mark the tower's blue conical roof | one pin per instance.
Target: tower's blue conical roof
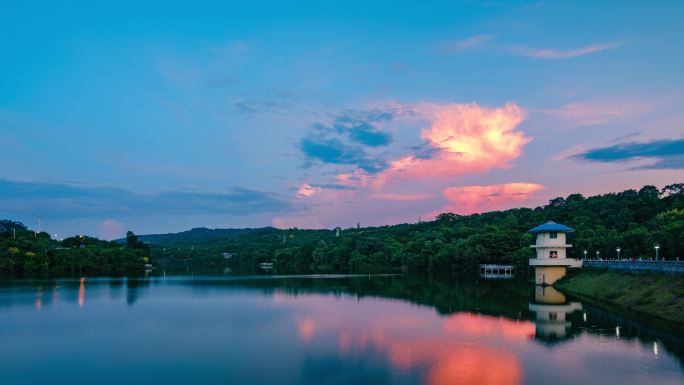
(549, 227)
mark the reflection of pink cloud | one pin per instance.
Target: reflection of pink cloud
(306, 329)
(479, 325)
(474, 199)
(471, 366)
(463, 348)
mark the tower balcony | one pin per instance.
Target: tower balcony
(567, 262)
(550, 246)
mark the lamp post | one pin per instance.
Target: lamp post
(656, 247)
(585, 255)
(597, 255)
(618, 252)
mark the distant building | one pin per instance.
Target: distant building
(551, 262)
(227, 255)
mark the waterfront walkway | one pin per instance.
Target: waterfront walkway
(672, 267)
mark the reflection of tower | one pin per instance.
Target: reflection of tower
(550, 262)
(551, 308)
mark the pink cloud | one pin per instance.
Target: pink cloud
(306, 190)
(467, 138)
(474, 199)
(462, 139)
(110, 229)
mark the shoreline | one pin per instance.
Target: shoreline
(645, 294)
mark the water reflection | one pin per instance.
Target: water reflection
(81, 292)
(378, 329)
(551, 308)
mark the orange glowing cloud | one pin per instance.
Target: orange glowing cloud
(474, 199)
(467, 138)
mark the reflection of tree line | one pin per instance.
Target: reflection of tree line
(45, 293)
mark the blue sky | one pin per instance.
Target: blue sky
(163, 116)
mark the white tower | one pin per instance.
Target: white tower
(551, 261)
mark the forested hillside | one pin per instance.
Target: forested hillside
(23, 251)
(633, 220)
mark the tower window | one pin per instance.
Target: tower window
(553, 235)
(553, 254)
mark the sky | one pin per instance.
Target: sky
(163, 116)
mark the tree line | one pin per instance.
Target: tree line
(634, 220)
(26, 252)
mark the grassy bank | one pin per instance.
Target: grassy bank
(652, 294)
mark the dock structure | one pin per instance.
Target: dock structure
(551, 261)
(496, 271)
(668, 267)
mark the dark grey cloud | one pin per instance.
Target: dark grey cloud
(359, 126)
(333, 186)
(667, 153)
(334, 151)
(352, 137)
(78, 201)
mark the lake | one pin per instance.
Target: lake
(322, 330)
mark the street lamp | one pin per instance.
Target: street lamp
(585, 255)
(597, 255)
(656, 247)
(618, 252)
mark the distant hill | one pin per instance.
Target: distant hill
(199, 235)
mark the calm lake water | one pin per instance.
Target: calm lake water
(322, 330)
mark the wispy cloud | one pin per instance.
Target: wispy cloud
(663, 153)
(62, 200)
(552, 53)
(401, 197)
(589, 113)
(464, 44)
(255, 106)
